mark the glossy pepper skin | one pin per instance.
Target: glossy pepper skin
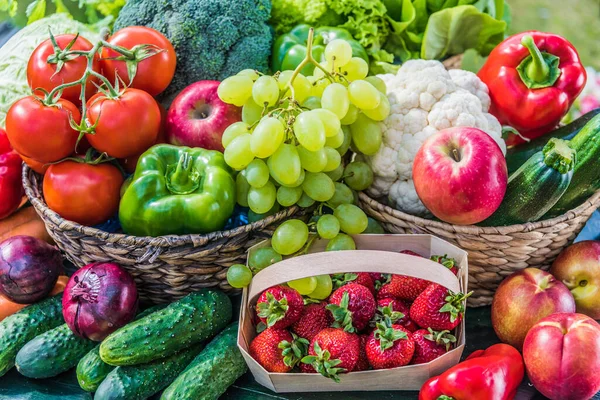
(491, 374)
(178, 190)
(533, 79)
(11, 189)
(290, 49)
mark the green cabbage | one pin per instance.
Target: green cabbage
(15, 53)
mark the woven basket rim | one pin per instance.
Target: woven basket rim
(130, 240)
(479, 230)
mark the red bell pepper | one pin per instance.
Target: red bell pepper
(491, 374)
(533, 79)
(11, 188)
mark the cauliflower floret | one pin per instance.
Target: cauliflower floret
(424, 99)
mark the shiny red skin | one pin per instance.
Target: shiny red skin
(425, 309)
(37, 166)
(341, 345)
(426, 350)
(578, 267)
(29, 269)
(464, 192)
(264, 349)
(396, 356)
(197, 117)
(399, 306)
(41, 132)
(99, 299)
(403, 287)
(11, 188)
(314, 318)
(295, 305)
(84, 193)
(562, 356)
(154, 74)
(361, 304)
(363, 362)
(532, 112)
(523, 299)
(491, 374)
(126, 126)
(41, 74)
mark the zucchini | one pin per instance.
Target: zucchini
(139, 382)
(586, 173)
(91, 370)
(52, 353)
(210, 374)
(194, 318)
(18, 329)
(535, 187)
(518, 155)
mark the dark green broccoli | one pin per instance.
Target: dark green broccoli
(213, 39)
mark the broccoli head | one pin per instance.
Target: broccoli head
(213, 39)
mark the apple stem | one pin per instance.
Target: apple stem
(456, 155)
(583, 283)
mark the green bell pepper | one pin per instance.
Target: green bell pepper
(178, 190)
(290, 49)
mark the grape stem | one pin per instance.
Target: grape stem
(309, 59)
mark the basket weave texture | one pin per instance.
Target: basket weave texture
(494, 252)
(165, 268)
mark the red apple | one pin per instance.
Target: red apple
(523, 299)
(460, 175)
(197, 117)
(578, 267)
(562, 356)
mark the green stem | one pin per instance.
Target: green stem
(538, 70)
(183, 179)
(121, 50)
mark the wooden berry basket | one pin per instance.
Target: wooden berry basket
(377, 253)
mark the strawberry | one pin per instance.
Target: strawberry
(362, 278)
(333, 351)
(389, 346)
(352, 307)
(363, 361)
(403, 288)
(277, 350)
(306, 368)
(438, 308)
(380, 279)
(397, 311)
(279, 307)
(314, 318)
(430, 344)
(447, 262)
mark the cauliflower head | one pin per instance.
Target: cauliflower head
(424, 98)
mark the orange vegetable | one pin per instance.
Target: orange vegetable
(8, 308)
(24, 222)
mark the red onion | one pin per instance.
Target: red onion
(29, 268)
(99, 299)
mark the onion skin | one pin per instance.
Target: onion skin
(29, 269)
(99, 299)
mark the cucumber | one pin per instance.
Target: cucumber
(518, 155)
(139, 382)
(586, 173)
(18, 329)
(52, 353)
(91, 370)
(535, 187)
(210, 374)
(194, 318)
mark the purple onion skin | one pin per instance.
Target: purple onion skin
(99, 299)
(29, 268)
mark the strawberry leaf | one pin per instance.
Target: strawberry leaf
(341, 315)
(293, 352)
(340, 280)
(387, 316)
(273, 310)
(387, 336)
(442, 337)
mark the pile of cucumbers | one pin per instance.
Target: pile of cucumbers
(552, 174)
(161, 349)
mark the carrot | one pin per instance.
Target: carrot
(7, 307)
(24, 222)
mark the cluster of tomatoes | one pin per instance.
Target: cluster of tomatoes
(118, 116)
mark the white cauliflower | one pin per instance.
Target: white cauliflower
(424, 98)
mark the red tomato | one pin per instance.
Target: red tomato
(85, 193)
(126, 126)
(11, 189)
(42, 132)
(42, 74)
(37, 166)
(154, 73)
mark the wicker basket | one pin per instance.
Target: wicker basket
(494, 252)
(165, 268)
